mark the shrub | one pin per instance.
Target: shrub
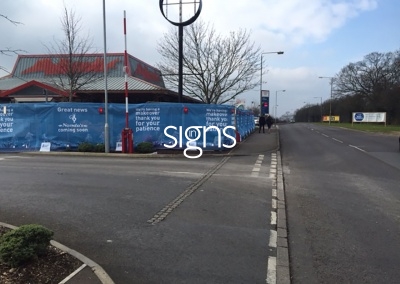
(85, 147)
(145, 147)
(22, 244)
(89, 147)
(100, 148)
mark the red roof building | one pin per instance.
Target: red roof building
(41, 78)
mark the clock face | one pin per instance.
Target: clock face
(180, 12)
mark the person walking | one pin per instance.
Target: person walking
(269, 122)
(261, 124)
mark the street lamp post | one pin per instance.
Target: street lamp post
(330, 101)
(276, 104)
(271, 52)
(106, 126)
(320, 105)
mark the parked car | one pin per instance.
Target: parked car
(256, 120)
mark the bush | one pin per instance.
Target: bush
(145, 147)
(89, 147)
(85, 147)
(22, 244)
(100, 148)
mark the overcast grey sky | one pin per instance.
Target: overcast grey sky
(319, 37)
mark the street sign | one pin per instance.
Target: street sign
(264, 102)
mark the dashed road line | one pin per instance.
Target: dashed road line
(271, 270)
(337, 140)
(278, 260)
(273, 233)
(255, 172)
(274, 203)
(355, 147)
(273, 237)
(273, 218)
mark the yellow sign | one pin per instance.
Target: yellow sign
(334, 118)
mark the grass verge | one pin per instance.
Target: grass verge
(368, 127)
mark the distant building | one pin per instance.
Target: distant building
(34, 79)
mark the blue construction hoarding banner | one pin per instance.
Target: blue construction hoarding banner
(25, 126)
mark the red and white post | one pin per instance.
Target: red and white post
(127, 133)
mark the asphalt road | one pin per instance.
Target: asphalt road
(214, 224)
(343, 204)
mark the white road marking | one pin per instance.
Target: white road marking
(69, 277)
(180, 173)
(325, 135)
(273, 236)
(273, 218)
(355, 147)
(274, 204)
(12, 157)
(257, 166)
(337, 140)
(271, 270)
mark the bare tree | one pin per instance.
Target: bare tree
(216, 69)
(369, 78)
(9, 50)
(74, 68)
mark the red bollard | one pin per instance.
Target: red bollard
(237, 136)
(127, 140)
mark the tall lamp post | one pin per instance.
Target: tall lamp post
(320, 105)
(106, 126)
(276, 103)
(330, 101)
(261, 69)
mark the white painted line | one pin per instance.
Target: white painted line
(355, 147)
(69, 277)
(337, 140)
(256, 169)
(273, 236)
(271, 272)
(274, 192)
(274, 204)
(273, 218)
(178, 173)
(325, 135)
